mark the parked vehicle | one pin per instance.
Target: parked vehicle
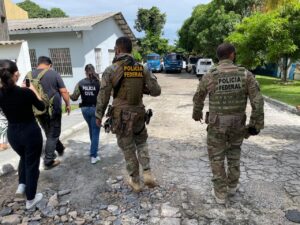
(153, 62)
(191, 64)
(173, 62)
(183, 64)
(203, 65)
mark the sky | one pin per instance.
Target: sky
(177, 11)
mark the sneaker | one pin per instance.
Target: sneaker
(94, 160)
(217, 198)
(232, 191)
(32, 203)
(20, 193)
(149, 179)
(51, 165)
(134, 183)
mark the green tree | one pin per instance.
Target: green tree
(57, 12)
(270, 5)
(136, 55)
(208, 26)
(151, 21)
(264, 38)
(35, 11)
(243, 7)
(153, 43)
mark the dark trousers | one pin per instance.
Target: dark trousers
(52, 128)
(26, 139)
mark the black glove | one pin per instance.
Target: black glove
(197, 115)
(253, 131)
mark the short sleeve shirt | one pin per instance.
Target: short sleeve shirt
(51, 83)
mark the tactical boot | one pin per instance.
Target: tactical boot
(232, 191)
(149, 179)
(220, 199)
(134, 183)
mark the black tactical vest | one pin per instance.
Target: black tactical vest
(89, 89)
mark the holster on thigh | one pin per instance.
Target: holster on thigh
(123, 122)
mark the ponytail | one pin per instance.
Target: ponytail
(7, 70)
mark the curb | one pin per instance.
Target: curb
(68, 132)
(281, 105)
(12, 166)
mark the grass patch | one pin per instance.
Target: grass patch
(285, 92)
(73, 107)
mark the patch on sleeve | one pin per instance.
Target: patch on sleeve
(133, 71)
(229, 83)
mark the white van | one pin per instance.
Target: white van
(203, 65)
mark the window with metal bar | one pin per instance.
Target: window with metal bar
(61, 59)
(98, 59)
(33, 58)
(111, 56)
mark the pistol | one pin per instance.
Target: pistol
(107, 125)
(109, 111)
(148, 116)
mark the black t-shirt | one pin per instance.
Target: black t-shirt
(51, 83)
(17, 102)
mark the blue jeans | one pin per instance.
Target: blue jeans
(94, 131)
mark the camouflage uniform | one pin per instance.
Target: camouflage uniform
(228, 87)
(128, 110)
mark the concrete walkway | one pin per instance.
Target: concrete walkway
(70, 125)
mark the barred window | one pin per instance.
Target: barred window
(33, 59)
(111, 54)
(98, 59)
(61, 59)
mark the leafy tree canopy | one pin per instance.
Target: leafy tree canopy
(151, 21)
(269, 37)
(208, 26)
(35, 11)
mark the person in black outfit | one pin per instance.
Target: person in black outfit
(55, 89)
(88, 89)
(24, 134)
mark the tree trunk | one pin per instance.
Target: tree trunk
(4, 35)
(285, 68)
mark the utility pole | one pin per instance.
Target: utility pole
(4, 35)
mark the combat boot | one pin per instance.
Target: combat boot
(232, 191)
(219, 198)
(149, 179)
(134, 183)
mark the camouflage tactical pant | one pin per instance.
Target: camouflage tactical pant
(225, 143)
(134, 146)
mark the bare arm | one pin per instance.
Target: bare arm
(65, 95)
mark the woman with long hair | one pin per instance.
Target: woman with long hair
(24, 135)
(88, 89)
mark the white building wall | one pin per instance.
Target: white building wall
(20, 53)
(42, 42)
(104, 36)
